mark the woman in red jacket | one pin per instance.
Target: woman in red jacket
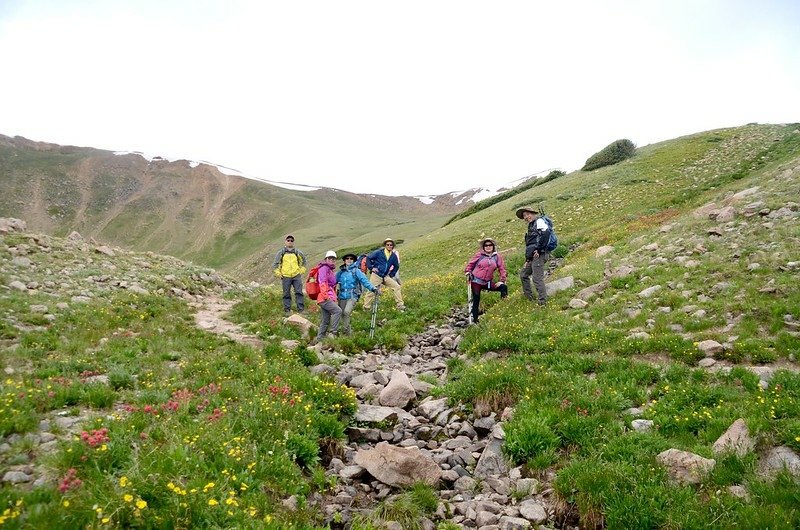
(480, 271)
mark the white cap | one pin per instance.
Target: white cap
(330, 254)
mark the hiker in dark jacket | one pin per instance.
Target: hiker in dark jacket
(383, 264)
(329, 308)
(480, 271)
(536, 255)
(349, 281)
(289, 265)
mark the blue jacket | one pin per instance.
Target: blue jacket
(348, 279)
(377, 260)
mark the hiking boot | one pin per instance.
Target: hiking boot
(401, 308)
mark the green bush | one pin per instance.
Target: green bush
(611, 154)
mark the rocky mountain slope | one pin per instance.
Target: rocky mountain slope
(193, 211)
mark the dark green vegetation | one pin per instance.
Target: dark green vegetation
(611, 154)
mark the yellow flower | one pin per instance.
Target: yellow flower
(123, 481)
(65, 503)
(212, 502)
(127, 497)
(105, 520)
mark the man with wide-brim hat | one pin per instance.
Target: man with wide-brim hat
(536, 255)
(350, 282)
(383, 265)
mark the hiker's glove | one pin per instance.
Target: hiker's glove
(467, 274)
(277, 272)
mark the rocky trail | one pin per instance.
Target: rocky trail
(404, 436)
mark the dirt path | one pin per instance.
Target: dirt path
(210, 317)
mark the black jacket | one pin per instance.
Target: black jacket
(536, 240)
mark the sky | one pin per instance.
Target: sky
(393, 98)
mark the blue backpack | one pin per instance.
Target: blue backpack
(553, 242)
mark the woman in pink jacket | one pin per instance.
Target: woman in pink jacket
(480, 271)
(331, 312)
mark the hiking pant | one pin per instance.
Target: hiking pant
(389, 282)
(534, 268)
(346, 305)
(476, 295)
(296, 283)
(331, 313)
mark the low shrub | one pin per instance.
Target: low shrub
(611, 154)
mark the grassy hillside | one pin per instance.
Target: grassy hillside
(198, 214)
(179, 421)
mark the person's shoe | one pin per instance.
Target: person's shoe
(401, 308)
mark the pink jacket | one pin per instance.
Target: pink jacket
(327, 283)
(482, 266)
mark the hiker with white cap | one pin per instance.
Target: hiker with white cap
(331, 312)
(537, 239)
(480, 273)
(290, 265)
(384, 265)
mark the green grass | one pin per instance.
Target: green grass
(194, 430)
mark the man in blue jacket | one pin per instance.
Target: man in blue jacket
(383, 264)
(349, 281)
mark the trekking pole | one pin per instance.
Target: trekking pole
(374, 313)
(469, 300)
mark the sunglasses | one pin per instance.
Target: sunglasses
(488, 245)
(290, 240)
(389, 244)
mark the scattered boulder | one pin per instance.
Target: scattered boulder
(602, 251)
(560, 285)
(399, 466)
(398, 392)
(650, 291)
(684, 467)
(299, 322)
(10, 224)
(779, 459)
(735, 440)
(710, 347)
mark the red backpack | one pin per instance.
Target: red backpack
(312, 283)
(362, 263)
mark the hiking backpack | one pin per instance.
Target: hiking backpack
(312, 283)
(362, 263)
(553, 242)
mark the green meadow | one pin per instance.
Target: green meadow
(188, 429)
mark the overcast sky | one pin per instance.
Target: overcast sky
(412, 97)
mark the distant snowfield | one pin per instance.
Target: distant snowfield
(478, 194)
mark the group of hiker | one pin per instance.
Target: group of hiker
(338, 291)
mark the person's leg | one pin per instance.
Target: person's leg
(503, 290)
(336, 315)
(395, 287)
(375, 280)
(525, 276)
(286, 283)
(476, 300)
(538, 277)
(347, 307)
(324, 320)
(299, 300)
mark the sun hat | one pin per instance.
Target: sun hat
(387, 240)
(488, 239)
(349, 256)
(288, 236)
(330, 254)
(526, 209)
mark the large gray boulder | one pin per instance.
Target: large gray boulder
(398, 392)
(399, 466)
